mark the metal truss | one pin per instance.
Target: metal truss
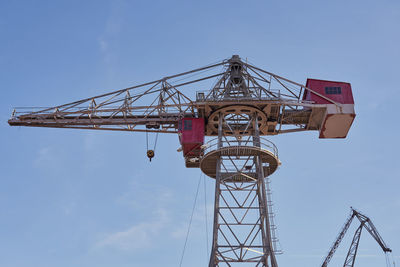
(242, 230)
(158, 105)
(351, 254)
(366, 223)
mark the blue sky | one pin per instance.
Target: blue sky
(88, 198)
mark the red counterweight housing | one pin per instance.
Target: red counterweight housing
(191, 137)
(337, 120)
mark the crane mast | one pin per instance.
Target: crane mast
(239, 104)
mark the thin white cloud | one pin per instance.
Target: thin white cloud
(198, 223)
(109, 36)
(141, 194)
(141, 235)
(305, 255)
(44, 156)
(103, 44)
(179, 232)
(137, 236)
(322, 256)
(70, 208)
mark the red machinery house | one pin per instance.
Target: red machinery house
(191, 137)
(337, 119)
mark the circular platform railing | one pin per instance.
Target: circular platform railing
(265, 144)
(237, 156)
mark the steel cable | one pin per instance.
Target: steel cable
(190, 221)
(155, 143)
(205, 215)
(147, 141)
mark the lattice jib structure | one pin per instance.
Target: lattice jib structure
(241, 89)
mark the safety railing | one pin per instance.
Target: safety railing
(264, 144)
(204, 95)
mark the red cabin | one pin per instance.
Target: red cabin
(339, 92)
(191, 137)
(337, 120)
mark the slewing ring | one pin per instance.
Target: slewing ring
(237, 118)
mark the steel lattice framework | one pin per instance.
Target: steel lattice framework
(243, 103)
(172, 98)
(366, 223)
(242, 231)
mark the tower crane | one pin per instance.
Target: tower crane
(366, 223)
(238, 104)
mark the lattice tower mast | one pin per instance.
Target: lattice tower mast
(239, 160)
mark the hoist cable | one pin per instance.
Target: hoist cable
(155, 143)
(147, 140)
(190, 221)
(205, 214)
(387, 257)
(394, 264)
(387, 260)
(390, 259)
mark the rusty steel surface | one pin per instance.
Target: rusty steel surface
(240, 89)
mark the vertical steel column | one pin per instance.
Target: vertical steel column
(262, 198)
(213, 258)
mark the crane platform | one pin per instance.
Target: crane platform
(240, 150)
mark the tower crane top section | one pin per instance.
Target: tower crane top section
(232, 88)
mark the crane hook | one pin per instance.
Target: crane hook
(150, 154)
